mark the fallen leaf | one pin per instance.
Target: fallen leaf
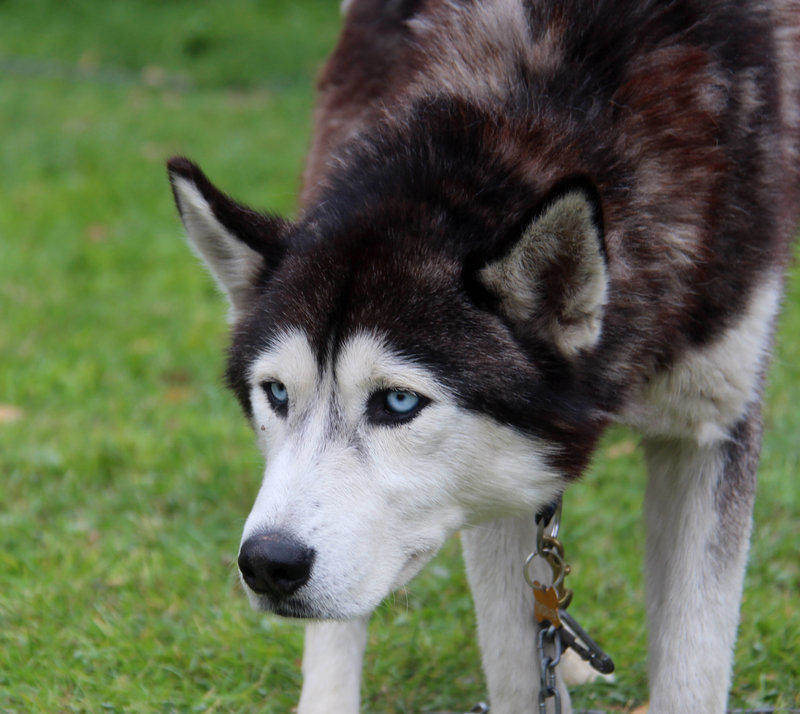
(154, 76)
(621, 448)
(97, 232)
(89, 60)
(177, 377)
(177, 394)
(9, 413)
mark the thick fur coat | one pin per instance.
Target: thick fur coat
(527, 220)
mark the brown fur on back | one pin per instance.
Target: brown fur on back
(684, 114)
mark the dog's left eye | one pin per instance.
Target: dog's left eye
(277, 395)
(395, 406)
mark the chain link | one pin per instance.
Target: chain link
(549, 639)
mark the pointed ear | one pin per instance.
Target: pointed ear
(554, 279)
(235, 242)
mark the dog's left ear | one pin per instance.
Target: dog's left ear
(554, 279)
(237, 243)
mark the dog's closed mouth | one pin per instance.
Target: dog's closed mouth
(292, 607)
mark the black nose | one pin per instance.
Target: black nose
(275, 563)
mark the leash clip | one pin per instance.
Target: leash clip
(552, 601)
(549, 599)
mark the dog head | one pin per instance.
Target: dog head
(399, 386)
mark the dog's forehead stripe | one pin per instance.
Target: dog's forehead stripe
(367, 359)
(332, 292)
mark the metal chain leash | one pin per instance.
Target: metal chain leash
(549, 600)
(549, 638)
(556, 630)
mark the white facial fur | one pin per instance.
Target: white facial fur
(376, 502)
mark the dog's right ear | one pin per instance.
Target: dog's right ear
(554, 279)
(235, 242)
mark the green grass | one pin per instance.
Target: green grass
(127, 470)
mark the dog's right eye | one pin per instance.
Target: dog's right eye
(277, 395)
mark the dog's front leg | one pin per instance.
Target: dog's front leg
(698, 510)
(494, 553)
(332, 660)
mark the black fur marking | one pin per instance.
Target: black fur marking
(401, 10)
(644, 104)
(736, 488)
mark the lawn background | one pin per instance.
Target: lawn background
(126, 470)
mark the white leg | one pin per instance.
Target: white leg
(332, 660)
(698, 510)
(494, 553)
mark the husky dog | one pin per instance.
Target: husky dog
(521, 221)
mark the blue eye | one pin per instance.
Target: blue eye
(278, 395)
(279, 391)
(392, 407)
(401, 401)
